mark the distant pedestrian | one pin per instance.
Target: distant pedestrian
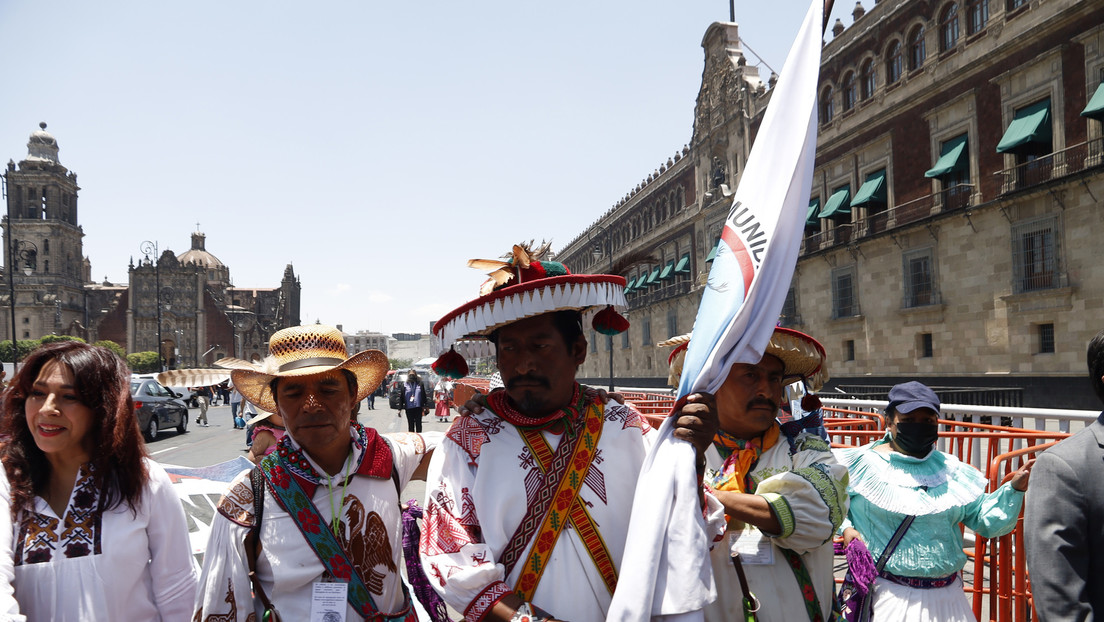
(203, 398)
(235, 404)
(414, 401)
(442, 394)
(245, 413)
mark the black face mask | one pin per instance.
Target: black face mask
(916, 439)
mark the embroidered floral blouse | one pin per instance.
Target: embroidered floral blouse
(111, 565)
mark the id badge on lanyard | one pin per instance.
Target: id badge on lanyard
(329, 601)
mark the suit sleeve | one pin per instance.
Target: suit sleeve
(1055, 533)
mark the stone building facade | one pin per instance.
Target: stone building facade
(364, 340)
(201, 316)
(957, 198)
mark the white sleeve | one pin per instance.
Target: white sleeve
(172, 566)
(409, 449)
(459, 565)
(9, 607)
(811, 499)
(225, 574)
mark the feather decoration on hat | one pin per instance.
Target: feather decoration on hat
(521, 257)
(230, 362)
(192, 377)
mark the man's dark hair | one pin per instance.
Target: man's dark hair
(568, 323)
(1096, 364)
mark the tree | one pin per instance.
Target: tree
(114, 347)
(55, 338)
(400, 363)
(25, 347)
(144, 362)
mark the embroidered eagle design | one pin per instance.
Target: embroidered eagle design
(365, 538)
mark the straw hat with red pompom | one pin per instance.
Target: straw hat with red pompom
(520, 286)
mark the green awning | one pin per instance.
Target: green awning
(629, 285)
(683, 266)
(837, 204)
(654, 276)
(668, 271)
(810, 217)
(713, 253)
(950, 157)
(873, 190)
(1030, 125)
(1095, 109)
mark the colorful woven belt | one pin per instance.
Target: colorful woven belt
(922, 583)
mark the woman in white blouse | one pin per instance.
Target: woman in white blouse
(98, 532)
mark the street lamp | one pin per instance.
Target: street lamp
(598, 252)
(22, 253)
(240, 320)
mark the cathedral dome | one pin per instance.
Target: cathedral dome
(199, 254)
(42, 146)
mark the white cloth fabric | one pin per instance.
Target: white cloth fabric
(900, 602)
(746, 289)
(144, 570)
(478, 489)
(808, 490)
(9, 607)
(286, 565)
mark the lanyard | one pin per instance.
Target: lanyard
(333, 512)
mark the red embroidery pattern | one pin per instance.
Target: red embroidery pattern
(469, 435)
(486, 599)
(441, 532)
(628, 416)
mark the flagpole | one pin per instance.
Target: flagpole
(827, 13)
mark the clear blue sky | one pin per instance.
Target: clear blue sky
(376, 146)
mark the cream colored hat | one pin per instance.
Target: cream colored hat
(800, 355)
(304, 351)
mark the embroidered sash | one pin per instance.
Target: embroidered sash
(578, 515)
(297, 503)
(564, 471)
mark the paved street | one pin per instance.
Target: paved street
(221, 442)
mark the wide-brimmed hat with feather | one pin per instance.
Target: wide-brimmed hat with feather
(522, 285)
(304, 351)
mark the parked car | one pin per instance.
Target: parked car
(186, 394)
(156, 407)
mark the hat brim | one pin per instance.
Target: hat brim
(370, 367)
(800, 355)
(507, 305)
(261, 416)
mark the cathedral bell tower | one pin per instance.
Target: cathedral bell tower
(43, 243)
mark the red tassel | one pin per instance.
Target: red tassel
(450, 365)
(610, 322)
(810, 403)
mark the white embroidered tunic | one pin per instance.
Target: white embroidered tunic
(114, 565)
(808, 491)
(482, 480)
(369, 528)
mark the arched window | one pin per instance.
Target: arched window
(977, 14)
(46, 247)
(849, 91)
(866, 79)
(894, 63)
(916, 53)
(827, 107)
(948, 27)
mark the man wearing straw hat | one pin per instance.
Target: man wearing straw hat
(326, 537)
(528, 501)
(783, 491)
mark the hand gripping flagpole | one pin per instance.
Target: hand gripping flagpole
(665, 569)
